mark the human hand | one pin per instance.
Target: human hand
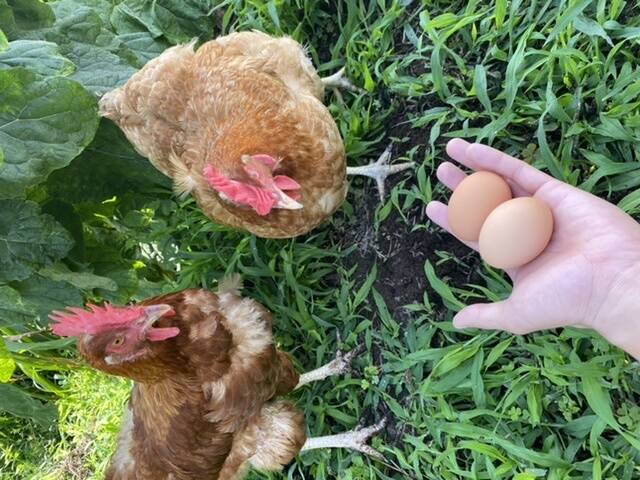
(589, 274)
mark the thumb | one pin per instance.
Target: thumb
(490, 316)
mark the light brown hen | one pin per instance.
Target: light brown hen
(240, 124)
(207, 381)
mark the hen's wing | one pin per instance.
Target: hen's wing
(228, 342)
(257, 371)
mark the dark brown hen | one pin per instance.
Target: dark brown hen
(207, 380)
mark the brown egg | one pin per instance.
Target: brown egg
(516, 232)
(472, 202)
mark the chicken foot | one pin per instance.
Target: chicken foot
(338, 366)
(380, 170)
(339, 80)
(352, 440)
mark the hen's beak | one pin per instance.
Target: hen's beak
(153, 313)
(286, 202)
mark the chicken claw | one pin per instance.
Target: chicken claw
(380, 170)
(338, 366)
(354, 440)
(339, 80)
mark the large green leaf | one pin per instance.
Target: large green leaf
(44, 295)
(103, 61)
(82, 280)
(178, 20)
(21, 15)
(41, 57)
(110, 166)
(16, 402)
(85, 35)
(103, 8)
(14, 312)
(67, 216)
(143, 45)
(44, 124)
(29, 240)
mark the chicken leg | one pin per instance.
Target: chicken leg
(339, 80)
(380, 170)
(353, 440)
(338, 366)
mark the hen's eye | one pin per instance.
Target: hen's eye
(118, 341)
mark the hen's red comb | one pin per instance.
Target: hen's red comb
(75, 321)
(260, 199)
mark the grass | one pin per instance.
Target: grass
(553, 81)
(90, 417)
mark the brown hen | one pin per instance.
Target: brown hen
(207, 377)
(240, 124)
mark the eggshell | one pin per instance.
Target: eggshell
(516, 232)
(472, 202)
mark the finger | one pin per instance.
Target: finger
(482, 157)
(437, 212)
(490, 316)
(457, 149)
(517, 190)
(450, 175)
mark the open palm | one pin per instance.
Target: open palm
(581, 277)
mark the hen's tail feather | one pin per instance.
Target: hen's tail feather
(230, 284)
(184, 181)
(108, 104)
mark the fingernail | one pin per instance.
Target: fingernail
(458, 140)
(456, 146)
(459, 324)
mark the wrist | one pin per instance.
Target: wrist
(619, 317)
